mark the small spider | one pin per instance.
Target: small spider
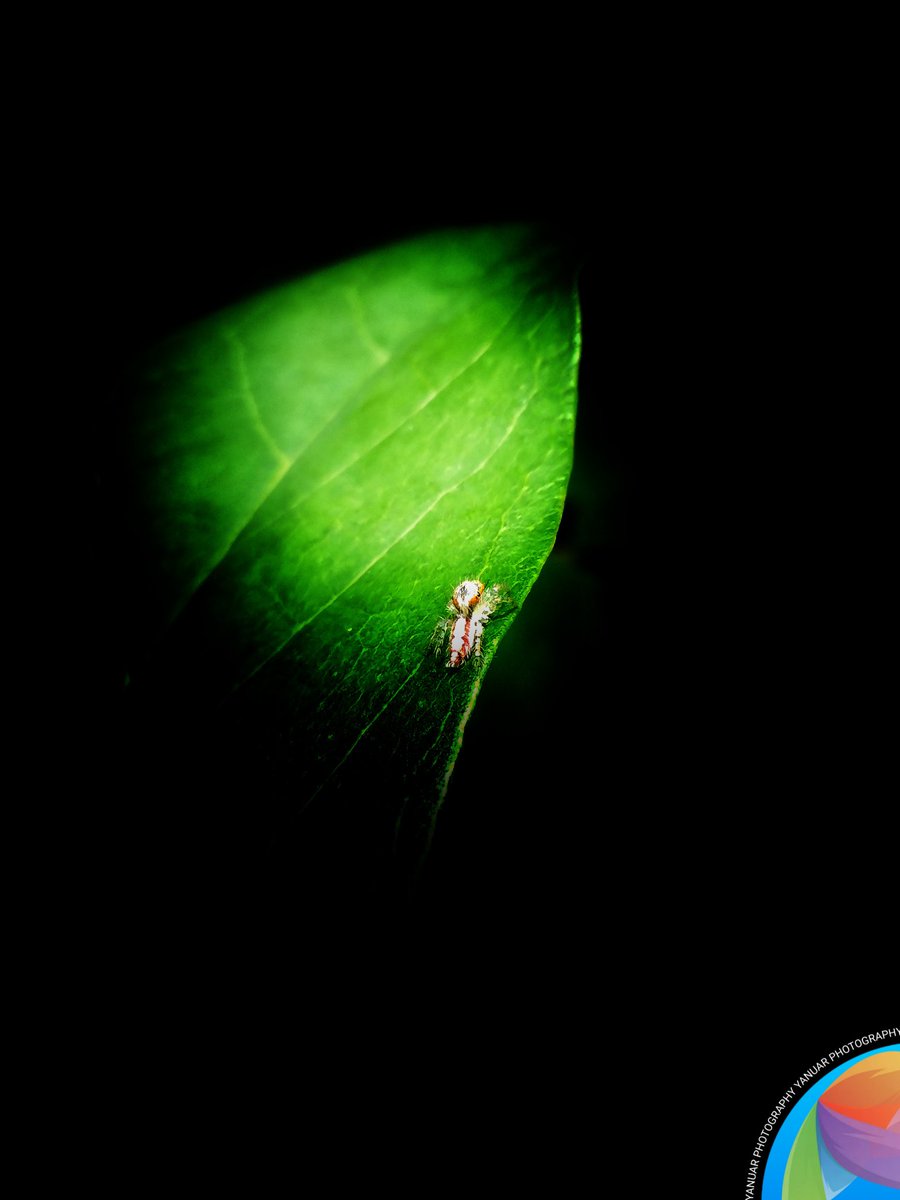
(471, 605)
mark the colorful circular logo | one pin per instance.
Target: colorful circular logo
(848, 1139)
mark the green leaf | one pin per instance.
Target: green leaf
(316, 469)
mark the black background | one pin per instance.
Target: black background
(683, 850)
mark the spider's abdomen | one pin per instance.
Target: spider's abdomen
(465, 639)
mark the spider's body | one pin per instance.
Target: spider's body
(471, 607)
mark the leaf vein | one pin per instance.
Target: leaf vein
(374, 347)
(253, 411)
(362, 733)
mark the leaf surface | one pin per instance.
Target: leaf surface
(315, 470)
